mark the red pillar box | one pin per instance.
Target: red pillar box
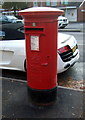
(41, 31)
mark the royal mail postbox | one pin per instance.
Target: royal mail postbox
(41, 29)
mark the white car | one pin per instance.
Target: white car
(62, 22)
(12, 49)
(4, 19)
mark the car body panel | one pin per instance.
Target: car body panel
(13, 54)
(61, 65)
(9, 19)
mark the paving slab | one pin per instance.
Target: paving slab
(69, 30)
(16, 103)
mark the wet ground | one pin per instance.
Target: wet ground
(73, 77)
(16, 103)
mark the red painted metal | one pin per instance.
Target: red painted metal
(41, 33)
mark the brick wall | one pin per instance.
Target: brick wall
(81, 13)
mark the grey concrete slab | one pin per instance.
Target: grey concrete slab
(69, 30)
(74, 27)
(16, 103)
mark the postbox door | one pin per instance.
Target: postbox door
(38, 61)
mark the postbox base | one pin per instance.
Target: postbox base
(42, 97)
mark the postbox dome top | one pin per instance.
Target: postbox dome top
(41, 12)
(41, 9)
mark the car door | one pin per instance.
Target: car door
(12, 48)
(2, 47)
(6, 52)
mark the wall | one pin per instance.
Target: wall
(71, 14)
(81, 13)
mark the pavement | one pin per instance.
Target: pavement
(73, 27)
(16, 102)
(69, 30)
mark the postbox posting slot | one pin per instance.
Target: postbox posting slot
(34, 29)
